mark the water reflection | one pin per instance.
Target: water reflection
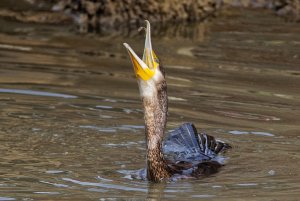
(156, 192)
(151, 191)
(181, 30)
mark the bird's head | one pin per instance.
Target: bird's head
(153, 90)
(148, 71)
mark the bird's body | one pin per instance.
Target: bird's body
(183, 151)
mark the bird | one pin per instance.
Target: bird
(183, 152)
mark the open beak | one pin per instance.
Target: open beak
(144, 69)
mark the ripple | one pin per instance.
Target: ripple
(247, 184)
(47, 192)
(186, 51)
(203, 196)
(216, 186)
(55, 171)
(180, 67)
(179, 79)
(250, 116)
(120, 144)
(135, 127)
(104, 107)
(110, 100)
(99, 190)
(285, 96)
(104, 179)
(132, 128)
(272, 172)
(55, 184)
(105, 116)
(36, 93)
(236, 132)
(6, 198)
(98, 128)
(15, 47)
(172, 98)
(105, 185)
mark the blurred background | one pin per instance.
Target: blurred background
(71, 119)
(104, 15)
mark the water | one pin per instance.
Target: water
(71, 118)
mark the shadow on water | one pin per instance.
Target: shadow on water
(72, 123)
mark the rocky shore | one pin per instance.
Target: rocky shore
(106, 15)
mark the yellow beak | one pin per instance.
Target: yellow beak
(144, 69)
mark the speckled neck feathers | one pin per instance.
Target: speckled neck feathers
(155, 102)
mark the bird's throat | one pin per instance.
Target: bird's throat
(155, 114)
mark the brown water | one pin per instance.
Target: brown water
(71, 124)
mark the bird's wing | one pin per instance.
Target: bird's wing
(185, 144)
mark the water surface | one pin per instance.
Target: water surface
(72, 121)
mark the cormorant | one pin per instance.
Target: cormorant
(183, 152)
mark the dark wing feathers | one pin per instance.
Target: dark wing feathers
(185, 144)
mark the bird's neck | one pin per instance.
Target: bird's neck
(155, 109)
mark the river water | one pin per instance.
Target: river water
(71, 120)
